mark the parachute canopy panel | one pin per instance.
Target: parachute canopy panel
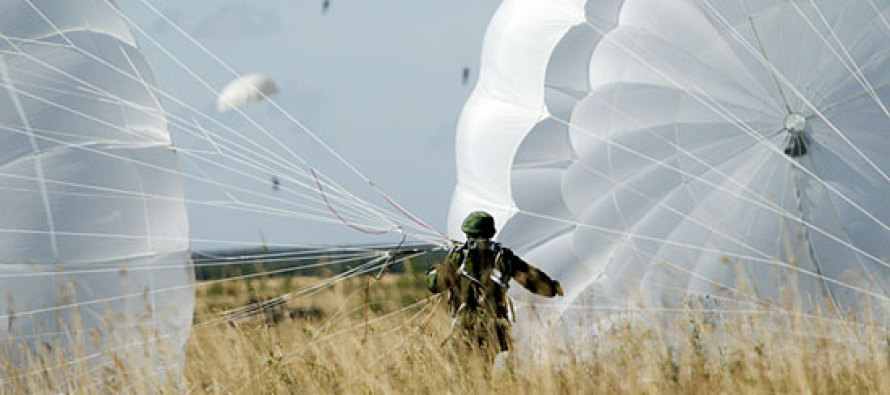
(711, 143)
(94, 232)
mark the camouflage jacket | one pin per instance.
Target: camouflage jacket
(477, 275)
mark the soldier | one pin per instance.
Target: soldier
(476, 275)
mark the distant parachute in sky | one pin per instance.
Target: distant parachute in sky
(245, 90)
(651, 152)
(95, 236)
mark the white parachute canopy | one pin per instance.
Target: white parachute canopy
(245, 90)
(649, 152)
(94, 238)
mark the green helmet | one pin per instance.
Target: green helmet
(479, 224)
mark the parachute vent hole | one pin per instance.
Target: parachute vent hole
(795, 124)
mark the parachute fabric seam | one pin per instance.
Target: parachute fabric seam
(38, 165)
(735, 122)
(827, 122)
(871, 276)
(759, 139)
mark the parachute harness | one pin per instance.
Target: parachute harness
(498, 277)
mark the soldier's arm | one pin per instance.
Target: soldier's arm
(441, 276)
(532, 278)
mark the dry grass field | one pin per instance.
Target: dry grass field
(343, 339)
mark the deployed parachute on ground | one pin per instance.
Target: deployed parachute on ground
(649, 152)
(94, 248)
(245, 90)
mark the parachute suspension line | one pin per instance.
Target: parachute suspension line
(236, 205)
(231, 70)
(743, 127)
(420, 328)
(719, 109)
(97, 120)
(364, 203)
(290, 117)
(124, 194)
(364, 230)
(134, 237)
(254, 177)
(813, 108)
(708, 167)
(763, 52)
(780, 212)
(771, 206)
(38, 157)
(342, 259)
(139, 107)
(184, 287)
(349, 203)
(678, 212)
(713, 229)
(246, 311)
(749, 299)
(634, 152)
(154, 339)
(137, 162)
(875, 281)
(701, 248)
(735, 290)
(370, 232)
(785, 214)
(832, 106)
(312, 289)
(208, 263)
(253, 164)
(408, 214)
(879, 14)
(425, 303)
(340, 311)
(266, 210)
(393, 256)
(204, 49)
(337, 214)
(86, 116)
(855, 71)
(378, 319)
(202, 81)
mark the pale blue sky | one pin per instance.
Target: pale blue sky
(380, 81)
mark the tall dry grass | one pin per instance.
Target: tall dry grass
(327, 347)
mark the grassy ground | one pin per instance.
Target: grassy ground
(334, 341)
(403, 353)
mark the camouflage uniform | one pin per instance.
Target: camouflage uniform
(477, 275)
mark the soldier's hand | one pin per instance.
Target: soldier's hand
(558, 288)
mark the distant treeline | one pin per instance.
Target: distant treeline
(210, 265)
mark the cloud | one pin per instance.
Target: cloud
(238, 20)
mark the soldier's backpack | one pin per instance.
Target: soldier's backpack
(469, 270)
